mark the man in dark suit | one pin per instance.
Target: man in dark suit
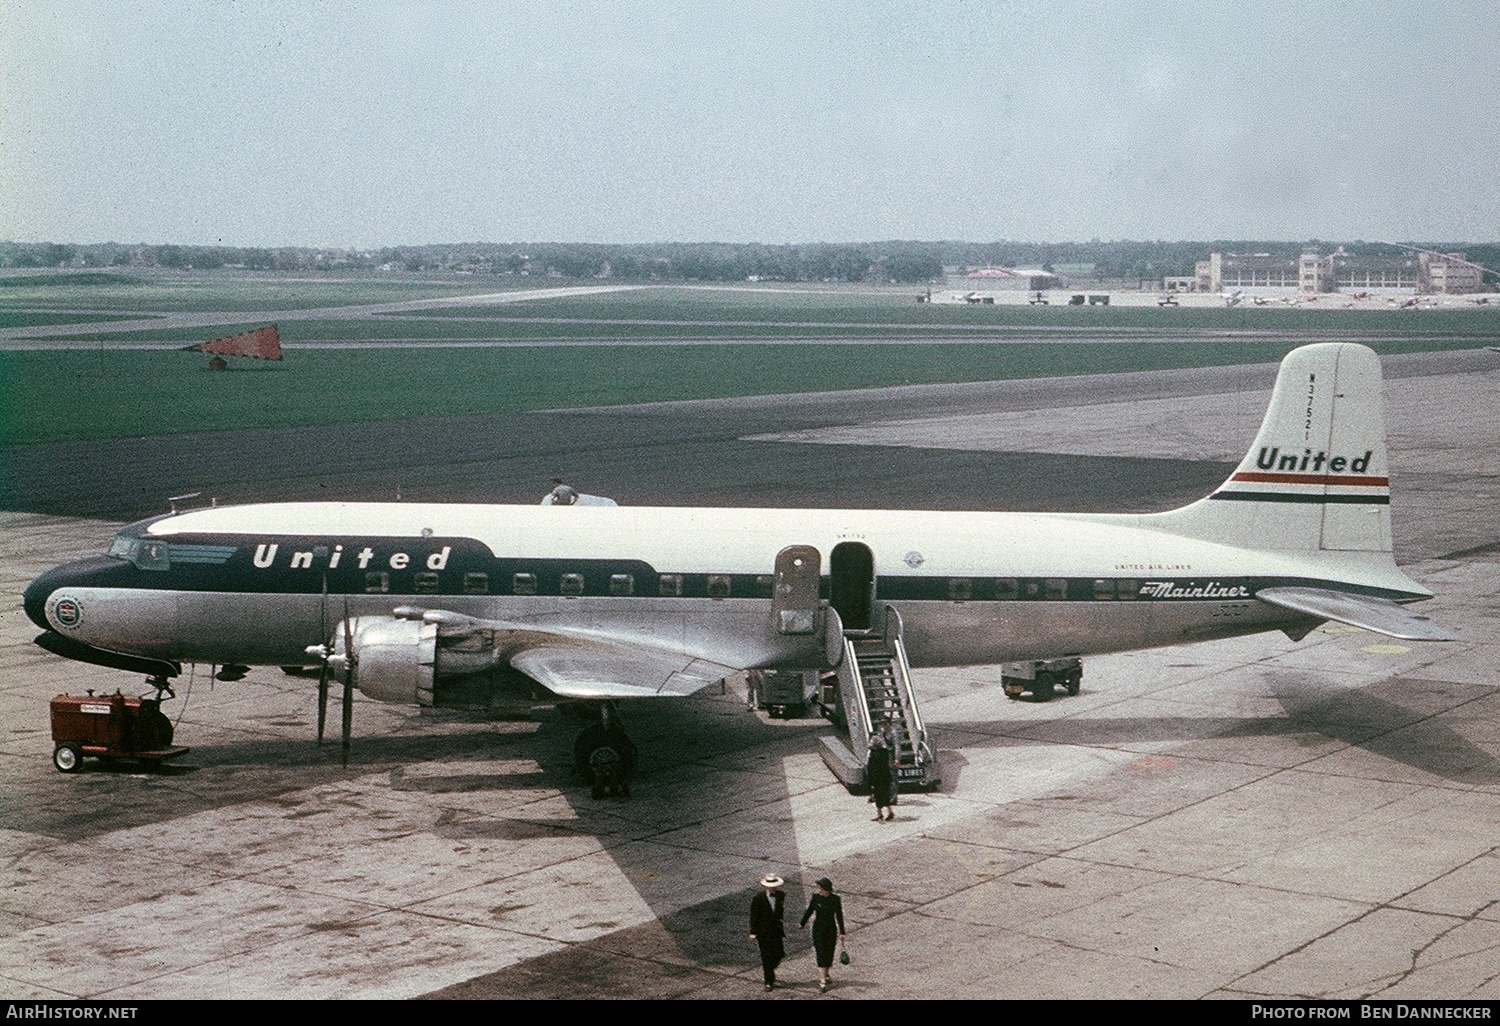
(767, 928)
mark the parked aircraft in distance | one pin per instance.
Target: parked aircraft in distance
(461, 605)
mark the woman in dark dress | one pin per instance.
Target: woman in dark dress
(880, 777)
(826, 910)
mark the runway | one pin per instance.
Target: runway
(1249, 818)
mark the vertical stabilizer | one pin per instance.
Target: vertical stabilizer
(1316, 477)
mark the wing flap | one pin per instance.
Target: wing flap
(579, 669)
(1372, 614)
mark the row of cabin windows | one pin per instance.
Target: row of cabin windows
(1055, 589)
(960, 589)
(670, 585)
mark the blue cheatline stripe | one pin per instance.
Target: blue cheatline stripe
(1367, 500)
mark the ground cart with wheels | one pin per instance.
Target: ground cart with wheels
(111, 727)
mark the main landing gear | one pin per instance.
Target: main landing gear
(604, 755)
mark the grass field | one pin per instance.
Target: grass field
(98, 391)
(64, 395)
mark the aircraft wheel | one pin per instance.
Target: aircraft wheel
(1073, 684)
(591, 738)
(597, 737)
(1041, 691)
(68, 758)
(161, 726)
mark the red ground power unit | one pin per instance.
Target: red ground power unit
(110, 727)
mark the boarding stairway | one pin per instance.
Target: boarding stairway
(874, 693)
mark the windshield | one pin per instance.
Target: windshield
(145, 553)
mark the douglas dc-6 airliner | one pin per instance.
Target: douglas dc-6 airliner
(459, 604)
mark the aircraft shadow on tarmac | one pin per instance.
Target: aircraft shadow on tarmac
(696, 945)
(1360, 717)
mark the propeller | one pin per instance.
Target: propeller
(332, 661)
(323, 663)
(349, 660)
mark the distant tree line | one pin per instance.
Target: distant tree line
(894, 261)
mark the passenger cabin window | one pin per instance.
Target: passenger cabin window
(1007, 588)
(1057, 588)
(1104, 589)
(621, 584)
(572, 584)
(425, 583)
(523, 584)
(718, 586)
(960, 589)
(765, 586)
(476, 584)
(377, 582)
(671, 585)
(1127, 589)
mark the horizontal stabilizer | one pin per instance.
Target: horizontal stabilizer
(1372, 614)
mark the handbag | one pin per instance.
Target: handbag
(843, 955)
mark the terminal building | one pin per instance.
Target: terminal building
(1339, 271)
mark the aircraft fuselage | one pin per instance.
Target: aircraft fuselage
(259, 584)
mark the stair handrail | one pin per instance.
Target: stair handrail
(851, 684)
(915, 728)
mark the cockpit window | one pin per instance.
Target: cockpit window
(145, 553)
(152, 555)
(149, 553)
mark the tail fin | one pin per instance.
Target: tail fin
(1316, 477)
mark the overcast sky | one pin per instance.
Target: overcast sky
(374, 124)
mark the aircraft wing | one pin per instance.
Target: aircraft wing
(579, 664)
(1373, 614)
(570, 669)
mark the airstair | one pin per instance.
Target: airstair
(874, 694)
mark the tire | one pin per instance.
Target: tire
(163, 728)
(1041, 690)
(590, 738)
(68, 758)
(1073, 684)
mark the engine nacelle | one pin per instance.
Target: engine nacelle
(406, 661)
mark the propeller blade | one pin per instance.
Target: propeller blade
(348, 680)
(324, 639)
(322, 698)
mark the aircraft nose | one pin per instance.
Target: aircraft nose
(80, 573)
(34, 598)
